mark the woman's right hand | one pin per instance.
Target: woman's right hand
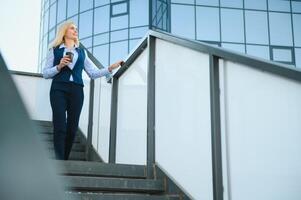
(64, 61)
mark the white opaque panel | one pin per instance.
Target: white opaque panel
(96, 113)
(34, 92)
(131, 115)
(84, 116)
(262, 133)
(183, 125)
(103, 122)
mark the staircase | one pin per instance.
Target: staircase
(88, 180)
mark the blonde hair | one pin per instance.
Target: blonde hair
(59, 39)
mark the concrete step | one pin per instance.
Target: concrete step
(78, 156)
(119, 196)
(49, 137)
(75, 147)
(85, 168)
(102, 184)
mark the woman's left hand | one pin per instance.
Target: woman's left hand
(115, 65)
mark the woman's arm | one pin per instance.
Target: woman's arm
(94, 72)
(49, 70)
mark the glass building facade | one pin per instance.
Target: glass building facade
(110, 29)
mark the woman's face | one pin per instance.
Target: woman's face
(71, 32)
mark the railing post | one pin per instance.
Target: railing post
(90, 121)
(113, 122)
(216, 129)
(151, 108)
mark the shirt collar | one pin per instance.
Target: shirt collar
(64, 46)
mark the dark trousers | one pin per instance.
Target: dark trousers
(65, 98)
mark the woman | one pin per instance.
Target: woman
(66, 93)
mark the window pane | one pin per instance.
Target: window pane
(183, 16)
(207, 20)
(74, 19)
(284, 55)
(119, 35)
(119, 9)
(52, 19)
(51, 35)
(85, 5)
(46, 18)
(259, 51)
(296, 6)
(235, 47)
(87, 42)
(101, 2)
(232, 25)
(101, 39)
(256, 4)
(298, 57)
(138, 13)
(297, 29)
(207, 2)
(61, 13)
(256, 27)
(72, 7)
(85, 24)
(119, 22)
(232, 3)
(279, 5)
(118, 51)
(138, 32)
(281, 29)
(133, 44)
(183, 1)
(101, 19)
(101, 53)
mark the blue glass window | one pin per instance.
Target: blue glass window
(234, 47)
(296, 6)
(52, 19)
(183, 16)
(119, 22)
(138, 13)
(256, 27)
(74, 19)
(282, 54)
(256, 4)
(46, 18)
(72, 7)
(119, 35)
(298, 57)
(279, 5)
(101, 2)
(259, 51)
(207, 23)
(232, 3)
(183, 1)
(85, 24)
(138, 32)
(101, 53)
(101, 39)
(297, 29)
(281, 29)
(101, 19)
(87, 42)
(207, 2)
(134, 43)
(85, 5)
(118, 51)
(232, 25)
(120, 8)
(61, 12)
(51, 35)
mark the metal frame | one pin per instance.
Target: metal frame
(291, 49)
(120, 14)
(216, 129)
(151, 81)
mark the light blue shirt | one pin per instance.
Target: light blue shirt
(90, 68)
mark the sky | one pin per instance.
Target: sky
(19, 33)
